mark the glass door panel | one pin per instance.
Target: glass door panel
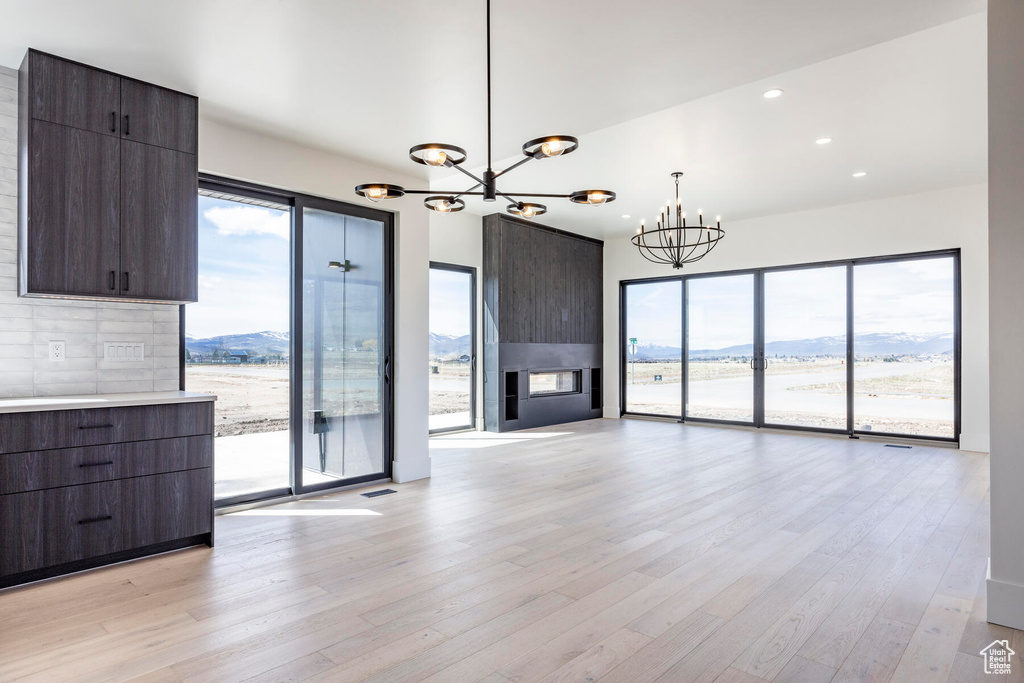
(904, 331)
(805, 347)
(720, 347)
(654, 348)
(343, 347)
(237, 341)
(451, 358)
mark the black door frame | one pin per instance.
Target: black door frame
(471, 271)
(758, 359)
(296, 202)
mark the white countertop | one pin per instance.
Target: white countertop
(39, 403)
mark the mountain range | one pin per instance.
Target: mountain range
(448, 346)
(873, 344)
(257, 343)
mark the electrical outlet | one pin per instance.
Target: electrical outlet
(58, 351)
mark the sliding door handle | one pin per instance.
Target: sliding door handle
(387, 369)
(752, 361)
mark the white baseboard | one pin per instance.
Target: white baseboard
(402, 473)
(1005, 602)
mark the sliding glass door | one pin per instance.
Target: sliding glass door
(720, 348)
(805, 347)
(345, 366)
(293, 332)
(864, 346)
(904, 369)
(452, 359)
(653, 356)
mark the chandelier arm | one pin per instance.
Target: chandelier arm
(456, 196)
(462, 170)
(515, 165)
(467, 192)
(534, 194)
(694, 249)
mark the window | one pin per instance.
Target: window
(452, 359)
(555, 383)
(859, 346)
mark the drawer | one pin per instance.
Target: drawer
(71, 466)
(166, 507)
(45, 528)
(46, 430)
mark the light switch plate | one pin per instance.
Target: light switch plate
(124, 352)
(58, 351)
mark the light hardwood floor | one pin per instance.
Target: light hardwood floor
(610, 550)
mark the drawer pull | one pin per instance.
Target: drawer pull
(92, 520)
(96, 464)
(96, 426)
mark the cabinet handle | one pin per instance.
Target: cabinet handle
(93, 520)
(96, 464)
(96, 426)
(124, 281)
(113, 122)
(113, 280)
(127, 124)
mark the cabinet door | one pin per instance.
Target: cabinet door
(166, 507)
(72, 239)
(47, 528)
(158, 116)
(74, 95)
(159, 205)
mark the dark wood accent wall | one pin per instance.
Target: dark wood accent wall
(548, 282)
(543, 310)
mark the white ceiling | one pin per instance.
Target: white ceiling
(370, 79)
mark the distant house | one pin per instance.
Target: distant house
(241, 355)
(464, 358)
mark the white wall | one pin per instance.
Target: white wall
(1006, 305)
(458, 238)
(956, 217)
(28, 325)
(232, 152)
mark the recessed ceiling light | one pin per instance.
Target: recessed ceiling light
(625, 215)
(822, 141)
(860, 174)
(772, 94)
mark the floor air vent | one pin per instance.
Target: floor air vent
(896, 445)
(374, 494)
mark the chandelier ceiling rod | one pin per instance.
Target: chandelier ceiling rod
(440, 155)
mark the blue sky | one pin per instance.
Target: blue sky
(244, 269)
(450, 300)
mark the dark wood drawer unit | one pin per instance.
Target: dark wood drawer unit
(56, 526)
(46, 430)
(82, 488)
(71, 466)
(109, 190)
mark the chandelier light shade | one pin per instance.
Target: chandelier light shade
(440, 155)
(678, 244)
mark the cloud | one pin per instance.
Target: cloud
(249, 220)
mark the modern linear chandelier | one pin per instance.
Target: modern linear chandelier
(680, 244)
(440, 155)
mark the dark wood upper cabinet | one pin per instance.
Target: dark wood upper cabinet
(107, 200)
(73, 94)
(158, 196)
(158, 116)
(78, 204)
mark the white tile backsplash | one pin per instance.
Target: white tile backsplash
(27, 325)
